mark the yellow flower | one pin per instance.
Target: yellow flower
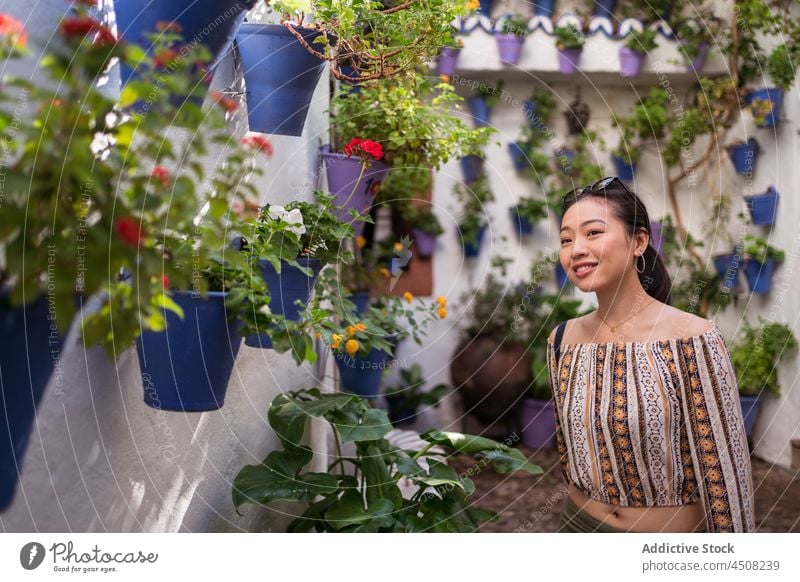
(351, 347)
(441, 300)
(360, 241)
(336, 339)
(408, 297)
(350, 330)
(385, 272)
(444, 78)
(398, 246)
(472, 5)
(442, 312)
(360, 326)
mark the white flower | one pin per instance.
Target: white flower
(277, 212)
(295, 218)
(265, 309)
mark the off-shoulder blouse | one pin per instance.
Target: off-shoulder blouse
(655, 423)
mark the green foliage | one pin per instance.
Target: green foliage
(516, 24)
(696, 31)
(757, 249)
(782, 65)
(569, 37)
(367, 499)
(491, 94)
(641, 41)
(411, 393)
(472, 199)
(532, 209)
(755, 356)
(425, 220)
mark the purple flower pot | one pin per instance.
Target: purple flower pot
(448, 59)
(568, 60)
(759, 276)
(775, 96)
(510, 47)
(480, 110)
(630, 62)
(343, 182)
(750, 407)
(656, 236)
(624, 169)
(538, 422)
(727, 266)
(697, 64)
(362, 374)
(763, 207)
(424, 242)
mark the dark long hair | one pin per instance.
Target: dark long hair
(630, 209)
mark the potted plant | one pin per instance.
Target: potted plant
(448, 58)
(539, 106)
(472, 167)
(744, 155)
(426, 229)
(511, 39)
(482, 102)
(569, 42)
(760, 261)
(361, 493)
(577, 116)
(518, 150)
(766, 103)
(404, 399)
(694, 36)
(755, 357)
(526, 213)
(763, 207)
(632, 54)
(472, 199)
(626, 156)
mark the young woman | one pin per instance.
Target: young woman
(649, 426)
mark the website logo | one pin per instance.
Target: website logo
(32, 555)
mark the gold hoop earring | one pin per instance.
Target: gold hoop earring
(644, 264)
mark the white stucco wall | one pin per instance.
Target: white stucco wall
(99, 459)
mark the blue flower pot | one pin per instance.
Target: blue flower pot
(362, 302)
(561, 276)
(775, 96)
(486, 7)
(543, 7)
(743, 155)
(604, 8)
(750, 407)
(522, 225)
(529, 109)
(31, 347)
(727, 266)
(285, 288)
(280, 77)
(759, 276)
(471, 167)
(473, 250)
(624, 169)
(186, 367)
(480, 110)
(362, 374)
(518, 156)
(212, 23)
(763, 207)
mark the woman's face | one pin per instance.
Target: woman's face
(596, 251)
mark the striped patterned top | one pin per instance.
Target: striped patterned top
(655, 423)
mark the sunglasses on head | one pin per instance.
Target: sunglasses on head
(597, 187)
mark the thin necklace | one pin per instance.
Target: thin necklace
(614, 328)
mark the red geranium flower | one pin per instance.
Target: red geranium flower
(13, 30)
(161, 174)
(223, 101)
(165, 281)
(364, 148)
(258, 142)
(164, 58)
(167, 26)
(83, 26)
(129, 231)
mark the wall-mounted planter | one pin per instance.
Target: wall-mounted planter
(538, 423)
(759, 276)
(744, 155)
(285, 288)
(473, 250)
(699, 61)
(750, 407)
(280, 77)
(362, 374)
(630, 62)
(480, 110)
(529, 108)
(186, 367)
(727, 266)
(471, 167)
(568, 60)
(518, 156)
(763, 207)
(624, 170)
(510, 47)
(522, 225)
(448, 60)
(343, 182)
(773, 98)
(543, 7)
(31, 346)
(212, 23)
(424, 242)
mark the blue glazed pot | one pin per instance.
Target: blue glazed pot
(775, 96)
(362, 374)
(31, 346)
(212, 23)
(561, 276)
(522, 225)
(624, 169)
(486, 7)
(759, 277)
(362, 302)
(763, 207)
(518, 156)
(480, 110)
(604, 8)
(743, 155)
(186, 368)
(543, 7)
(750, 407)
(280, 76)
(285, 288)
(529, 109)
(473, 250)
(471, 167)
(727, 266)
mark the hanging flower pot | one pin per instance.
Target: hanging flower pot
(186, 367)
(766, 105)
(604, 8)
(213, 23)
(424, 242)
(568, 60)
(448, 60)
(759, 275)
(471, 249)
(31, 346)
(280, 77)
(623, 168)
(561, 276)
(696, 65)
(538, 422)
(471, 167)
(285, 288)
(510, 47)
(630, 62)
(352, 188)
(763, 207)
(522, 225)
(480, 110)
(362, 374)
(543, 7)
(743, 155)
(529, 108)
(727, 266)
(518, 155)
(750, 408)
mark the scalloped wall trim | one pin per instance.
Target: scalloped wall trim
(596, 24)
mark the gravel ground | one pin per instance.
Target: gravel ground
(533, 503)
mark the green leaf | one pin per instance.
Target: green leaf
(372, 425)
(351, 512)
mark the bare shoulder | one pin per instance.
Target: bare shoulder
(682, 324)
(569, 329)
